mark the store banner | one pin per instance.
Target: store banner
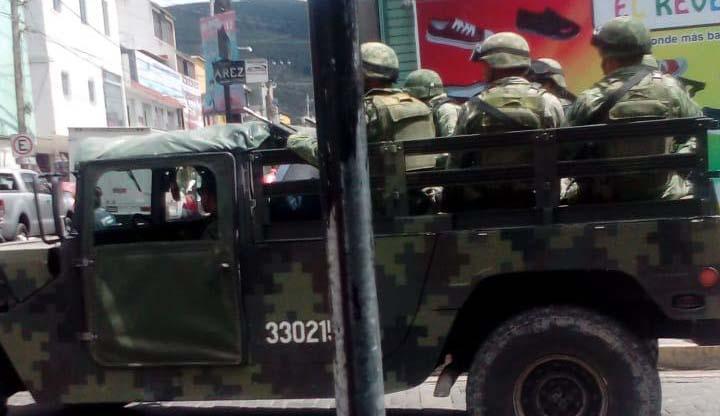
(660, 14)
(158, 76)
(219, 43)
(685, 35)
(192, 112)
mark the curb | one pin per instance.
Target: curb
(689, 357)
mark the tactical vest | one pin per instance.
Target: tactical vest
(525, 105)
(650, 99)
(402, 117)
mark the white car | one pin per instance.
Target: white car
(18, 214)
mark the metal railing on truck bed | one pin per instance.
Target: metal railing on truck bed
(393, 185)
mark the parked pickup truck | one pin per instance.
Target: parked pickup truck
(18, 213)
(545, 306)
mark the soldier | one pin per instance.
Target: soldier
(549, 74)
(632, 90)
(391, 114)
(427, 86)
(510, 102)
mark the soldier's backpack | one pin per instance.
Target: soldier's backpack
(403, 117)
(506, 109)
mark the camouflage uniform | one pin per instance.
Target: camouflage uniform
(426, 85)
(516, 97)
(656, 96)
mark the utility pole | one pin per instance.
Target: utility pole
(17, 65)
(342, 143)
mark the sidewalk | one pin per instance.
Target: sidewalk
(678, 354)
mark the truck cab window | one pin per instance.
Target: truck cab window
(160, 204)
(7, 183)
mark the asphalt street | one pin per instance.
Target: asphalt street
(688, 393)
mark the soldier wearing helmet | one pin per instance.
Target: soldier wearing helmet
(510, 102)
(632, 90)
(427, 86)
(549, 74)
(391, 113)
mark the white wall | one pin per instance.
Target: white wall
(60, 42)
(138, 32)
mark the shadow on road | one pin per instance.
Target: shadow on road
(156, 410)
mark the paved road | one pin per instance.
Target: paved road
(687, 393)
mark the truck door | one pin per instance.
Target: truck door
(44, 201)
(161, 289)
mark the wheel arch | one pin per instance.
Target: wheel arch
(497, 298)
(10, 381)
(25, 219)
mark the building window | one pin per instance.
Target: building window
(65, 79)
(91, 91)
(114, 107)
(163, 27)
(83, 12)
(57, 5)
(106, 18)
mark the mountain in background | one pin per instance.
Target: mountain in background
(275, 29)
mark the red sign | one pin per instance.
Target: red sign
(449, 30)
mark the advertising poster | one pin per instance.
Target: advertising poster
(686, 37)
(159, 77)
(219, 42)
(192, 112)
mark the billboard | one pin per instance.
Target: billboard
(158, 76)
(448, 30)
(218, 33)
(192, 112)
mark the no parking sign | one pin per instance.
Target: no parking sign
(23, 145)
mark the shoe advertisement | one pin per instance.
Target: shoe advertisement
(686, 38)
(449, 31)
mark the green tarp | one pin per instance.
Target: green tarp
(246, 136)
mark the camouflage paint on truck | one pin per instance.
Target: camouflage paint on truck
(441, 280)
(423, 279)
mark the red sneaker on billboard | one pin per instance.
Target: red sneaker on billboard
(457, 33)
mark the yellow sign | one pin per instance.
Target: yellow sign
(693, 54)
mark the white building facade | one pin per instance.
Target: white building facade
(75, 68)
(159, 94)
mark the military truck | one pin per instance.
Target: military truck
(550, 309)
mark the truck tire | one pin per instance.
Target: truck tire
(559, 361)
(21, 232)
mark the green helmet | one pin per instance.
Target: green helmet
(379, 61)
(424, 84)
(649, 61)
(622, 37)
(547, 68)
(504, 50)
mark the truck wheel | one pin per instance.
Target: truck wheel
(563, 361)
(654, 347)
(21, 232)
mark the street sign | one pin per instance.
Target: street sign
(23, 145)
(228, 72)
(256, 70)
